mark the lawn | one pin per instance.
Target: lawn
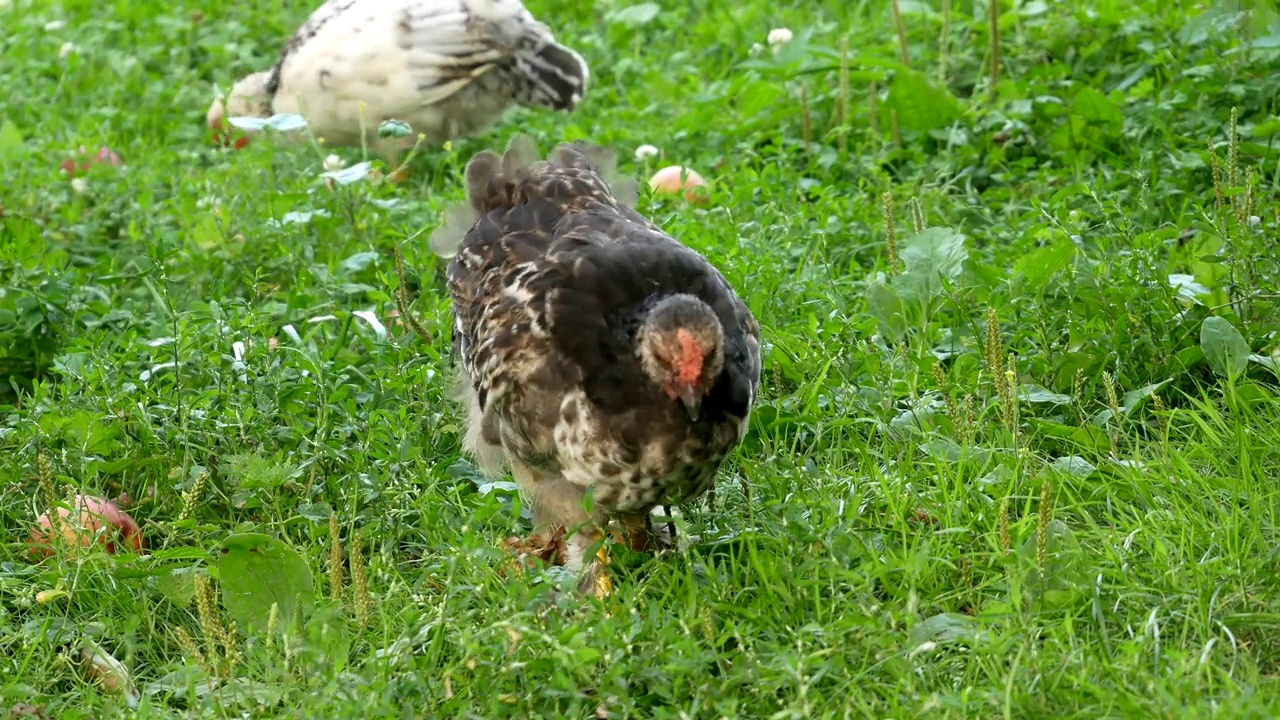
(1017, 450)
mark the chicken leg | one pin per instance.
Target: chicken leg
(560, 519)
(639, 533)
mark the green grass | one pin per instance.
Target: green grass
(1073, 515)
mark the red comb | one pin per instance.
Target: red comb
(689, 366)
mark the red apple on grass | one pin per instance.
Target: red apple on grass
(104, 155)
(89, 519)
(674, 178)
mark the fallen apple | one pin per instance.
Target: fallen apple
(94, 519)
(674, 178)
(105, 156)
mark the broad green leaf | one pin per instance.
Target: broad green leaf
(1187, 358)
(1224, 347)
(1266, 129)
(179, 586)
(1095, 107)
(89, 433)
(1134, 398)
(56, 630)
(316, 512)
(358, 262)
(21, 242)
(255, 472)
(929, 257)
(10, 136)
(921, 103)
(258, 571)
(886, 307)
(1034, 8)
(1065, 573)
(1037, 267)
(914, 7)
(912, 420)
(354, 288)
(1073, 465)
(235, 693)
(945, 449)
(205, 233)
(635, 15)
(1072, 437)
(1188, 289)
(298, 217)
(944, 628)
(1032, 393)
(757, 97)
(501, 486)
(1265, 361)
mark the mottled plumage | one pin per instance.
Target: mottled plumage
(597, 352)
(448, 68)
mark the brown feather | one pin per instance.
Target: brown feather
(551, 286)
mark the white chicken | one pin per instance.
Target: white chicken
(447, 68)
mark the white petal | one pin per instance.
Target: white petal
(644, 152)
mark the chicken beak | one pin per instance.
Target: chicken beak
(692, 401)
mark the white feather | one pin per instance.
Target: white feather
(448, 68)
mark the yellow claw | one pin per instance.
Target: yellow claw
(604, 584)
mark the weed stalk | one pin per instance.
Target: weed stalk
(917, 213)
(1042, 522)
(873, 114)
(842, 138)
(890, 231)
(993, 15)
(335, 559)
(359, 580)
(902, 33)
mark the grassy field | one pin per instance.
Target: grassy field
(1018, 447)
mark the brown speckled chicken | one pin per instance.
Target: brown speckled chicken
(599, 355)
